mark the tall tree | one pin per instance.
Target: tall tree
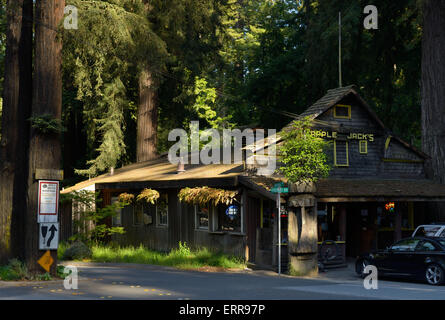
(433, 90)
(45, 148)
(14, 137)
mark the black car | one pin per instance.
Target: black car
(417, 257)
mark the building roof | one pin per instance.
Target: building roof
(161, 173)
(357, 190)
(417, 190)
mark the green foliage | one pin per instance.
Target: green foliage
(206, 108)
(205, 195)
(47, 124)
(77, 251)
(148, 195)
(303, 155)
(15, 270)
(182, 257)
(101, 59)
(89, 218)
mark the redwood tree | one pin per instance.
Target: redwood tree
(16, 109)
(45, 148)
(147, 121)
(433, 90)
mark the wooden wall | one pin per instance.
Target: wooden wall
(181, 227)
(405, 163)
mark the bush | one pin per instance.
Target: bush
(77, 251)
(15, 270)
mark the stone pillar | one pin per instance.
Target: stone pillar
(302, 234)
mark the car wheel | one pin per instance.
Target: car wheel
(360, 267)
(434, 274)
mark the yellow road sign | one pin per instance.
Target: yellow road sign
(46, 261)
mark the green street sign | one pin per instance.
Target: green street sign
(279, 188)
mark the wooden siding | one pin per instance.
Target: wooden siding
(385, 158)
(181, 227)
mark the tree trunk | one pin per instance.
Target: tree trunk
(45, 148)
(433, 90)
(147, 118)
(16, 109)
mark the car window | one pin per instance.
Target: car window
(427, 231)
(426, 246)
(405, 245)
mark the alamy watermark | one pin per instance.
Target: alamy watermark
(259, 149)
(70, 22)
(371, 20)
(370, 282)
(71, 281)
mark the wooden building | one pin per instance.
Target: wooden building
(375, 194)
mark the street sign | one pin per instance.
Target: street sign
(48, 202)
(279, 188)
(48, 236)
(46, 261)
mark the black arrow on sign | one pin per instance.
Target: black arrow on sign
(51, 237)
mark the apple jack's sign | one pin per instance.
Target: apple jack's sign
(351, 136)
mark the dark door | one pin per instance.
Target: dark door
(399, 257)
(425, 250)
(253, 222)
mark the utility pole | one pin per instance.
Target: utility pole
(339, 51)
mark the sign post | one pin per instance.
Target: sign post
(279, 188)
(48, 215)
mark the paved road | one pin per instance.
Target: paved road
(128, 281)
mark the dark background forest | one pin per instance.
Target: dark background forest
(227, 63)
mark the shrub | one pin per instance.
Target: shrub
(77, 251)
(15, 270)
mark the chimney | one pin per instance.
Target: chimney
(181, 167)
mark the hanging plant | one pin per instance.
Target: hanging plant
(149, 195)
(126, 197)
(205, 195)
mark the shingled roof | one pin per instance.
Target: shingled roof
(334, 96)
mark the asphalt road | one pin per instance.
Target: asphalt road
(128, 281)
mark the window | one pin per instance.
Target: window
(427, 231)
(162, 210)
(426, 246)
(117, 218)
(405, 245)
(138, 214)
(202, 215)
(342, 111)
(363, 146)
(341, 157)
(229, 218)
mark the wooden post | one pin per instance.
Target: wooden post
(342, 223)
(302, 235)
(398, 224)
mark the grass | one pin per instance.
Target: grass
(182, 257)
(16, 270)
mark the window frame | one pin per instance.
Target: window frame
(401, 241)
(342, 106)
(210, 212)
(347, 154)
(134, 209)
(158, 214)
(365, 142)
(119, 213)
